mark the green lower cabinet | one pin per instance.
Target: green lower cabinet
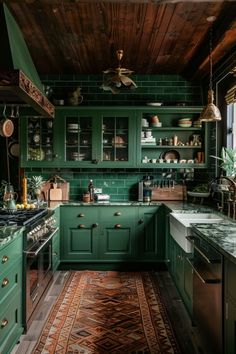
(79, 244)
(182, 274)
(11, 294)
(230, 307)
(116, 242)
(149, 236)
(113, 234)
(10, 319)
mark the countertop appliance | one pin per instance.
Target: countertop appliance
(37, 254)
(207, 265)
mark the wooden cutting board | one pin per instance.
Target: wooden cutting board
(65, 188)
(55, 193)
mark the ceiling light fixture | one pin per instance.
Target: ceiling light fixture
(117, 80)
(210, 112)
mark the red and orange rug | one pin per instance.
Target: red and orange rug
(108, 312)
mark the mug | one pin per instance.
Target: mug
(182, 161)
(154, 160)
(148, 133)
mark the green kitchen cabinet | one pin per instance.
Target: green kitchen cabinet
(40, 142)
(171, 145)
(149, 238)
(11, 293)
(79, 234)
(181, 272)
(112, 234)
(97, 137)
(117, 236)
(108, 137)
(230, 307)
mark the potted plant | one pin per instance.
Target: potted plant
(228, 161)
(35, 184)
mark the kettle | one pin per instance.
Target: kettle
(9, 197)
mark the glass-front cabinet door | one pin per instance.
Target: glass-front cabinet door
(117, 139)
(80, 136)
(78, 144)
(38, 143)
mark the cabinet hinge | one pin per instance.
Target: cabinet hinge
(226, 310)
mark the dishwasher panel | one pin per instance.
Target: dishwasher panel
(207, 265)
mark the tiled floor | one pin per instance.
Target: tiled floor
(187, 335)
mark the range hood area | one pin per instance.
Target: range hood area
(19, 81)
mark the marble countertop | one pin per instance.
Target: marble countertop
(220, 235)
(8, 234)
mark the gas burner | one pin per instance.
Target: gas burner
(22, 217)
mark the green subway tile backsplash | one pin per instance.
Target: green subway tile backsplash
(165, 88)
(119, 185)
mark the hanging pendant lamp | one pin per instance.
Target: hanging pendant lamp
(117, 79)
(210, 112)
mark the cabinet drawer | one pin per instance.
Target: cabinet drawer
(10, 254)
(79, 215)
(10, 281)
(10, 321)
(118, 214)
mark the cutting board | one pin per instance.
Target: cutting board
(64, 187)
(55, 193)
(176, 193)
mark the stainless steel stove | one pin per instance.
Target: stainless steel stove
(37, 253)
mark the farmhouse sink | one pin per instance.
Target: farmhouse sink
(180, 226)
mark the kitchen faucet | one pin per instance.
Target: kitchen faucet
(227, 189)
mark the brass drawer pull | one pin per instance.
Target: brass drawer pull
(117, 213)
(117, 226)
(81, 226)
(4, 323)
(81, 215)
(5, 259)
(5, 282)
(95, 225)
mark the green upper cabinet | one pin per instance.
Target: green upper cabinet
(96, 137)
(117, 148)
(80, 137)
(39, 145)
(116, 137)
(169, 143)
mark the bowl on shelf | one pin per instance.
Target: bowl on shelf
(185, 122)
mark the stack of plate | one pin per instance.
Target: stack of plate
(77, 157)
(185, 123)
(197, 124)
(73, 128)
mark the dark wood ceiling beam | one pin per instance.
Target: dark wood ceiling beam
(224, 34)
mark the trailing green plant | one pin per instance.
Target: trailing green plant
(228, 161)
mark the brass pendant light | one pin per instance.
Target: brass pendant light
(117, 79)
(210, 112)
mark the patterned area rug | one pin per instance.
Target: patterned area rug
(108, 312)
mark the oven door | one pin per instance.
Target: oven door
(38, 272)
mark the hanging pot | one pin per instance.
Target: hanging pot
(6, 126)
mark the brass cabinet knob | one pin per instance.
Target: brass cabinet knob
(117, 226)
(117, 213)
(54, 254)
(81, 226)
(81, 215)
(141, 221)
(5, 282)
(4, 323)
(5, 259)
(95, 225)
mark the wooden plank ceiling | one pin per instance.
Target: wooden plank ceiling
(158, 37)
